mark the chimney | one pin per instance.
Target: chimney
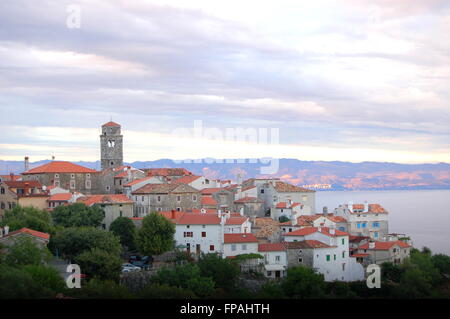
(371, 245)
(11, 177)
(53, 157)
(350, 206)
(366, 207)
(325, 211)
(27, 163)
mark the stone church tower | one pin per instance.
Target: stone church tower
(111, 143)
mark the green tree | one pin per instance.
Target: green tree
(302, 282)
(271, 290)
(186, 276)
(101, 264)
(442, 263)
(124, 228)
(25, 251)
(156, 235)
(73, 241)
(339, 289)
(47, 277)
(78, 215)
(223, 271)
(391, 272)
(28, 217)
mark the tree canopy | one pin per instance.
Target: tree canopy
(25, 251)
(224, 272)
(73, 241)
(124, 228)
(100, 264)
(156, 235)
(28, 217)
(302, 282)
(78, 215)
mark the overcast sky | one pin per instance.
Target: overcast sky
(351, 80)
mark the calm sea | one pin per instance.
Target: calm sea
(424, 215)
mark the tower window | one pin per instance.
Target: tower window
(112, 163)
(111, 143)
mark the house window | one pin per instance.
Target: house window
(305, 198)
(56, 183)
(364, 225)
(2, 190)
(343, 267)
(2, 205)
(244, 247)
(375, 234)
(188, 234)
(142, 199)
(88, 184)
(343, 254)
(334, 257)
(72, 176)
(328, 257)
(233, 247)
(108, 188)
(262, 191)
(178, 198)
(203, 234)
(300, 251)
(72, 184)
(159, 198)
(159, 209)
(300, 260)
(56, 175)
(375, 224)
(358, 225)
(211, 247)
(88, 175)
(188, 226)
(343, 241)
(178, 209)
(269, 274)
(104, 226)
(120, 213)
(277, 258)
(194, 198)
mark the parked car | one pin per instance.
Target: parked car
(130, 267)
(142, 262)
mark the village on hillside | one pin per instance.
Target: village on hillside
(267, 217)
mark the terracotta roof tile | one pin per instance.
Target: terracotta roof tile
(30, 232)
(239, 238)
(311, 230)
(271, 247)
(60, 167)
(283, 187)
(105, 199)
(62, 197)
(384, 245)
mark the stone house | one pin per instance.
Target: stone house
(66, 175)
(113, 206)
(23, 193)
(165, 197)
(378, 252)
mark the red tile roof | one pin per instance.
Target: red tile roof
(23, 184)
(62, 197)
(211, 190)
(248, 199)
(198, 219)
(373, 209)
(385, 245)
(359, 255)
(284, 205)
(311, 230)
(59, 167)
(8, 177)
(187, 179)
(305, 244)
(236, 220)
(209, 201)
(105, 199)
(167, 171)
(283, 187)
(271, 247)
(239, 238)
(138, 181)
(111, 123)
(32, 232)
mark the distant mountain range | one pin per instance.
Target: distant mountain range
(320, 175)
